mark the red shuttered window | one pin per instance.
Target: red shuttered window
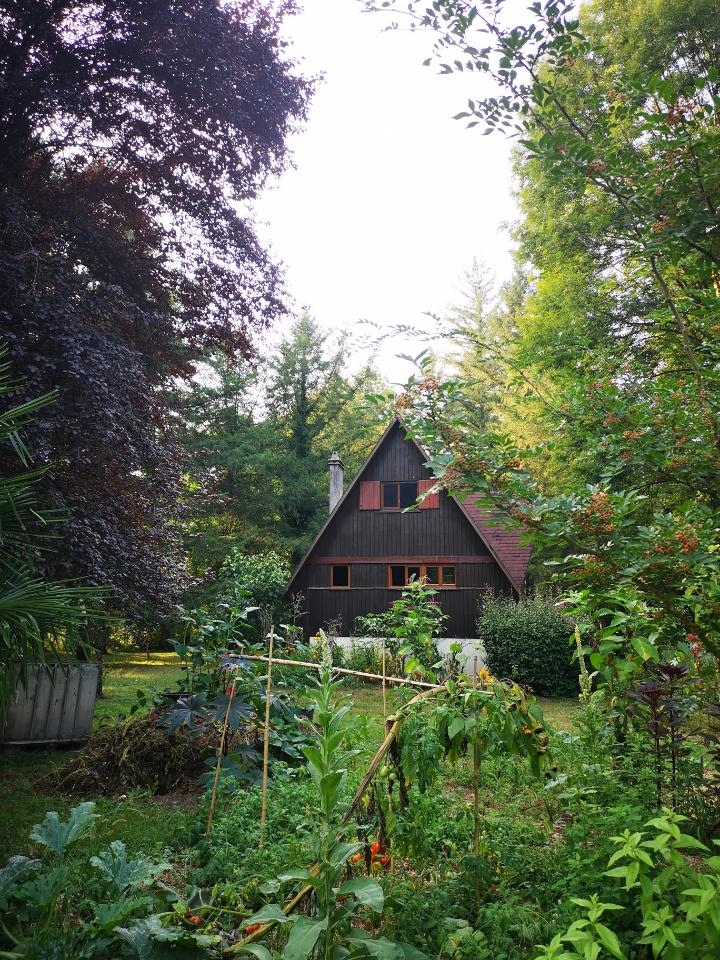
(370, 494)
(432, 501)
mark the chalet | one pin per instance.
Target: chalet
(370, 546)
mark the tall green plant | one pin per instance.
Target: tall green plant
(37, 616)
(327, 931)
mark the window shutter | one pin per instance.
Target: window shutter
(370, 494)
(432, 501)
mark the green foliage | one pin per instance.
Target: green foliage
(677, 904)
(231, 860)
(528, 640)
(613, 354)
(261, 577)
(328, 931)
(87, 907)
(410, 627)
(260, 436)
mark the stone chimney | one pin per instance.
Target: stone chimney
(337, 476)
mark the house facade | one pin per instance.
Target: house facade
(370, 547)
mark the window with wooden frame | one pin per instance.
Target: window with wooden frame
(339, 576)
(399, 495)
(437, 575)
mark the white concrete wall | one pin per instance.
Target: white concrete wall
(472, 649)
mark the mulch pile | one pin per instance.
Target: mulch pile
(133, 753)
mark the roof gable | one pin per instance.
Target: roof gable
(502, 543)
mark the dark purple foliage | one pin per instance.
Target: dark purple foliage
(131, 134)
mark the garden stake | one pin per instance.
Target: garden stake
(266, 741)
(476, 791)
(223, 737)
(375, 762)
(383, 682)
(350, 673)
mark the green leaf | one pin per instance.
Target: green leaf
(15, 871)
(296, 875)
(609, 940)
(58, 835)
(303, 937)
(124, 873)
(256, 950)
(271, 911)
(379, 948)
(457, 725)
(645, 649)
(366, 891)
(329, 787)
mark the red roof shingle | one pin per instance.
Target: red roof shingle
(504, 543)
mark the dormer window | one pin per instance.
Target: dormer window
(399, 496)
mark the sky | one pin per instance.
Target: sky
(390, 199)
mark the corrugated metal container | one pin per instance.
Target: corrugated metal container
(56, 708)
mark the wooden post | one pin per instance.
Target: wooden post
(266, 740)
(223, 737)
(476, 790)
(384, 689)
(278, 661)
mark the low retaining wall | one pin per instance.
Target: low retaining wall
(472, 649)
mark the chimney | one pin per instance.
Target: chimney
(337, 475)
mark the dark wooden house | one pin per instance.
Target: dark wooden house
(369, 547)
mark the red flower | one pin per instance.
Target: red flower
(692, 636)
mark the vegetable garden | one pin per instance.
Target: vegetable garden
(249, 792)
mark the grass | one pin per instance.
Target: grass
(127, 673)
(143, 821)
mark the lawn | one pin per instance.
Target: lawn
(127, 673)
(142, 820)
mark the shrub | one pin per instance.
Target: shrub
(261, 577)
(528, 640)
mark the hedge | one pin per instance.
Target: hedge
(529, 641)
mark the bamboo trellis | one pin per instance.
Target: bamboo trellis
(391, 732)
(350, 673)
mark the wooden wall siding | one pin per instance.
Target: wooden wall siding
(461, 605)
(366, 533)
(362, 533)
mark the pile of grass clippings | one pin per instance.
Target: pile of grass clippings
(137, 752)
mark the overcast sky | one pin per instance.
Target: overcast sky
(390, 199)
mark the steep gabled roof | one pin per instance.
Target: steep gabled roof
(340, 502)
(504, 544)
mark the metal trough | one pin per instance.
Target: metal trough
(56, 709)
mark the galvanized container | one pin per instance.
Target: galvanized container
(55, 709)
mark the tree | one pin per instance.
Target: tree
(626, 159)
(133, 139)
(231, 494)
(307, 393)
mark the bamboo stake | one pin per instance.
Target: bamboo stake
(384, 688)
(476, 792)
(266, 741)
(359, 793)
(223, 737)
(351, 673)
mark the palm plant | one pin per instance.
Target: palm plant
(38, 617)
